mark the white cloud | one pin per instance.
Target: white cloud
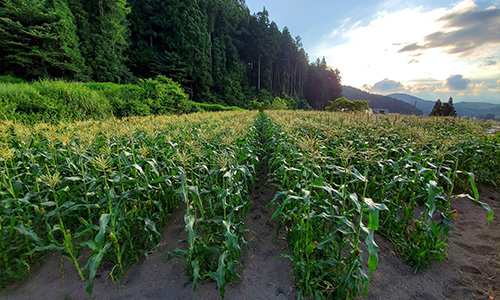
(365, 54)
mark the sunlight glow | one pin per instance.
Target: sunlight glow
(399, 45)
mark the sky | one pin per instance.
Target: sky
(432, 49)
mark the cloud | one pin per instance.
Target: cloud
(463, 31)
(490, 61)
(387, 85)
(440, 41)
(432, 89)
(457, 83)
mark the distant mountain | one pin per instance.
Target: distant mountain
(471, 109)
(424, 105)
(379, 101)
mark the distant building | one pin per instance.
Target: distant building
(380, 111)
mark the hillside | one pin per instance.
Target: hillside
(220, 54)
(379, 101)
(471, 109)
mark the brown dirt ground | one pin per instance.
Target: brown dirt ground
(471, 271)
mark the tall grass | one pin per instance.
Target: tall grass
(51, 101)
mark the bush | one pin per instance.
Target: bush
(158, 96)
(55, 101)
(164, 95)
(346, 105)
(278, 104)
(51, 101)
(125, 99)
(10, 79)
(257, 105)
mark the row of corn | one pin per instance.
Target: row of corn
(102, 191)
(344, 176)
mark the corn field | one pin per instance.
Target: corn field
(104, 190)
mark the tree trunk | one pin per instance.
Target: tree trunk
(258, 77)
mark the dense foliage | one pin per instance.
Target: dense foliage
(342, 177)
(215, 49)
(106, 188)
(55, 101)
(51, 101)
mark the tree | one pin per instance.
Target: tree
(322, 84)
(437, 110)
(103, 31)
(214, 48)
(488, 116)
(345, 105)
(448, 110)
(278, 104)
(38, 39)
(443, 110)
(171, 38)
(225, 22)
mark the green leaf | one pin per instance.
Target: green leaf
(195, 264)
(479, 203)
(473, 185)
(101, 235)
(220, 275)
(93, 264)
(373, 216)
(151, 227)
(189, 221)
(372, 250)
(30, 234)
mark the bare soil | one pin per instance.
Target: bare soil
(471, 271)
(264, 274)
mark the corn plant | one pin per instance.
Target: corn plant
(103, 186)
(395, 174)
(216, 195)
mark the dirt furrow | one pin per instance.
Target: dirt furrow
(264, 275)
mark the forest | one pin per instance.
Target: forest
(216, 49)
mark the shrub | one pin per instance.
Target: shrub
(51, 101)
(125, 99)
(343, 104)
(10, 79)
(278, 104)
(164, 95)
(158, 96)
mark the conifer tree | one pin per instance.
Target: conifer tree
(322, 85)
(448, 110)
(437, 110)
(103, 32)
(170, 37)
(38, 39)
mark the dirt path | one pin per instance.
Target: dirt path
(471, 271)
(263, 275)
